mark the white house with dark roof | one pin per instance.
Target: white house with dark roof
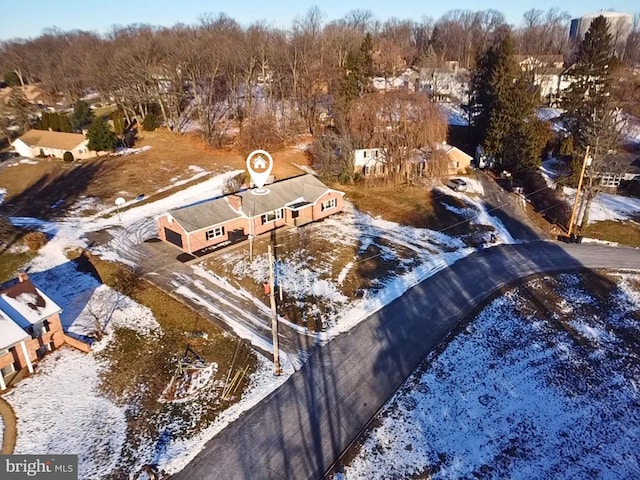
(294, 202)
(29, 327)
(45, 143)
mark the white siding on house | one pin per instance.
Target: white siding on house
(22, 148)
(369, 161)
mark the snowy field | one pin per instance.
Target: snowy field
(522, 392)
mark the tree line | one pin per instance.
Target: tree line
(208, 71)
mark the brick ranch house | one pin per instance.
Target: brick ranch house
(295, 202)
(29, 327)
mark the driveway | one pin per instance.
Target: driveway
(303, 427)
(509, 209)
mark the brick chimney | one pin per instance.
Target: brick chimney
(23, 277)
(235, 201)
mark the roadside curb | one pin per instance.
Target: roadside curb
(10, 427)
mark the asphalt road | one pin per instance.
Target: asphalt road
(301, 428)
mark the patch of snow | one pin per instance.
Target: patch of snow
(112, 310)
(3, 194)
(606, 206)
(130, 151)
(61, 410)
(514, 396)
(547, 114)
(456, 115)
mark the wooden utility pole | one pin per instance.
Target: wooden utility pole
(575, 204)
(274, 316)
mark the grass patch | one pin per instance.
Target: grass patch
(11, 263)
(625, 233)
(405, 205)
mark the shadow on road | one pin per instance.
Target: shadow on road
(301, 428)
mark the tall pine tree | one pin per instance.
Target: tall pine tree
(504, 105)
(590, 114)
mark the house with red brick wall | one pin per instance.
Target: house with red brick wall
(30, 327)
(295, 202)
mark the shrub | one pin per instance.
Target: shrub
(68, 157)
(150, 122)
(545, 200)
(233, 184)
(35, 240)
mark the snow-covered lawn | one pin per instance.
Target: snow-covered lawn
(534, 387)
(62, 410)
(337, 272)
(605, 206)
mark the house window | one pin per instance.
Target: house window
(329, 204)
(3, 351)
(272, 216)
(39, 329)
(364, 154)
(8, 370)
(215, 233)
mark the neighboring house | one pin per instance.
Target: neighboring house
(29, 327)
(629, 172)
(407, 80)
(369, 161)
(458, 161)
(45, 143)
(33, 93)
(295, 202)
(548, 74)
(446, 84)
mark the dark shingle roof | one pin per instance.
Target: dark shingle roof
(304, 188)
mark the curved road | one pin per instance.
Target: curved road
(301, 428)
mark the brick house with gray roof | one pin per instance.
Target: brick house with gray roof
(30, 327)
(295, 201)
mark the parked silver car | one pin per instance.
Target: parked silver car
(457, 184)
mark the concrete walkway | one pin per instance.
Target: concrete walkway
(10, 427)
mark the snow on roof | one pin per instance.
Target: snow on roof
(10, 332)
(26, 305)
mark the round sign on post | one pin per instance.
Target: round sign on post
(259, 165)
(119, 202)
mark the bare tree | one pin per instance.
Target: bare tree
(401, 124)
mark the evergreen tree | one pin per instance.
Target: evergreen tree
(82, 115)
(359, 70)
(590, 113)
(58, 122)
(504, 105)
(100, 137)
